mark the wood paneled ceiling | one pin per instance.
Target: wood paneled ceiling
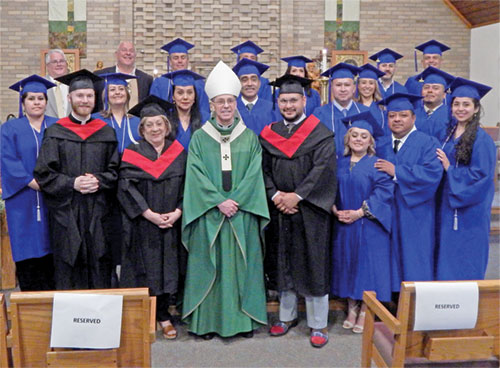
(476, 13)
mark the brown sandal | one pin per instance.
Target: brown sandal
(169, 331)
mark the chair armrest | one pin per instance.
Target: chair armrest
(152, 319)
(370, 299)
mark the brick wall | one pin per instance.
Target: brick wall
(410, 23)
(213, 26)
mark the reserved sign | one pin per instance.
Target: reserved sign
(87, 321)
(446, 306)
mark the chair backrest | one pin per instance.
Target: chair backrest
(31, 316)
(481, 342)
(4, 330)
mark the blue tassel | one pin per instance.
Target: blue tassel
(416, 64)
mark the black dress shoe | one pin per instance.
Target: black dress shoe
(208, 336)
(246, 335)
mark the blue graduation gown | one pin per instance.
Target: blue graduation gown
(265, 91)
(395, 87)
(436, 124)
(29, 238)
(126, 133)
(162, 88)
(262, 114)
(462, 253)
(418, 174)
(361, 250)
(330, 116)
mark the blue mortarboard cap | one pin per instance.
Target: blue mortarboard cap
(34, 83)
(370, 72)
(364, 120)
(341, 70)
(400, 101)
(183, 77)
(115, 79)
(247, 46)
(386, 56)
(298, 61)
(462, 87)
(432, 47)
(247, 66)
(177, 46)
(433, 75)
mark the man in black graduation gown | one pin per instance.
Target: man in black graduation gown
(77, 173)
(299, 167)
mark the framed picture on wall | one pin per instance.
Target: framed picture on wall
(354, 57)
(72, 56)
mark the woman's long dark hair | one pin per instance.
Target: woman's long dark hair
(463, 149)
(307, 89)
(195, 118)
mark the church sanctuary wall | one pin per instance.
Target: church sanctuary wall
(484, 68)
(401, 25)
(280, 27)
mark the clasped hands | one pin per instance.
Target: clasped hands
(86, 184)
(162, 220)
(348, 216)
(287, 202)
(228, 207)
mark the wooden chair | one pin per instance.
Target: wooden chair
(393, 343)
(31, 316)
(4, 331)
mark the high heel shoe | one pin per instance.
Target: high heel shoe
(360, 325)
(352, 313)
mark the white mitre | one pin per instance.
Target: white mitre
(222, 81)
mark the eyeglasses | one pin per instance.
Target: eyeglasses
(62, 61)
(221, 102)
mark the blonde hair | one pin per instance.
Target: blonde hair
(168, 125)
(107, 113)
(347, 150)
(377, 96)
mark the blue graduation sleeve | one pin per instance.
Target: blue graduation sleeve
(380, 199)
(418, 180)
(468, 184)
(15, 177)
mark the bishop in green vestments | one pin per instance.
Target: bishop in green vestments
(225, 212)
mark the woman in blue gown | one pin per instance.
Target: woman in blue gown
(361, 246)
(26, 212)
(116, 99)
(468, 156)
(368, 93)
(186, 116)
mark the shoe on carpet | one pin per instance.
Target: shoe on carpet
(281, 328)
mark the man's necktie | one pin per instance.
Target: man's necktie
(249, 106)
(396, 145)
(429, 112)
(344, 111)
(59, 100)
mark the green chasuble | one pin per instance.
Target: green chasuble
(224, 291)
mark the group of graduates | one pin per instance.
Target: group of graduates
(213, 191)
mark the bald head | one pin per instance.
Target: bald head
(125, 56)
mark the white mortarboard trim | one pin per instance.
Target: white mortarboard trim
(222, 81)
